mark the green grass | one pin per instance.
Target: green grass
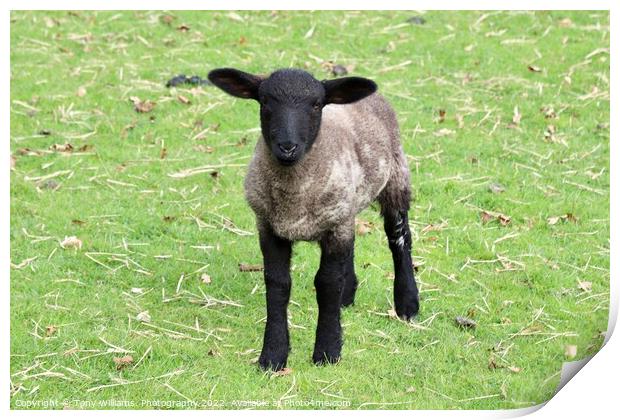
(117, 197)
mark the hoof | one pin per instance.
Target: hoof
(321, 359)
(345, 303)
(272, 362)
(408, 310)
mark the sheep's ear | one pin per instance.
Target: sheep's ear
(236, 83)
(348, 89)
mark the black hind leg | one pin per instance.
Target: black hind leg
(350, 283)
(396, 223)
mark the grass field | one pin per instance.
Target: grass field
(505, 121)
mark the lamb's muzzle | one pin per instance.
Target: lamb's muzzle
(328, 149)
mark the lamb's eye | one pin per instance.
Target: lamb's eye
(317, 105)
(264, 101)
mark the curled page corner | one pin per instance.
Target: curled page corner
(569, 370)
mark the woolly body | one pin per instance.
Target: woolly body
(354, 156)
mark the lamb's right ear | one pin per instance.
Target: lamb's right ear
(236, 83)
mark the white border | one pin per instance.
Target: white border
(594, 391)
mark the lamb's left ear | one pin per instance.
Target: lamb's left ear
(236, 82)
(348, 89)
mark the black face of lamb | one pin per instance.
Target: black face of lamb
(291, 104)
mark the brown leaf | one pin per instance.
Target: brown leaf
(142, 106)
(62, 148)
(50, 330)
(434, 228)
(205, 278)
(568, 217)
(78, 222)
(81, 91)
(565, 23)
(461, 321)
(514, 369)
(163, 153)
(487, 216)
(183, 28)
(283, 372)
(534, 69)
(503, 219)
(363, 227)
(123, 362)
(86, 148)
(586, 286)
(548, 112)
(184, 100)
(71, 242)
(166, 19)
(250, 267)
(442, 115)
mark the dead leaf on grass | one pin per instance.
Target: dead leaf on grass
(142, 106)
(144, 316)
(62, 148)
(50, 330)
(184, 100)
(488, 216)
(586, 286)
(568, 217)
(243, 267)
(205, 278)
(283, 372)
(363, 227)
(71, 242)
(123, 362)
(464, 322)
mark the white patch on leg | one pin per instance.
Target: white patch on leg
(400, 242)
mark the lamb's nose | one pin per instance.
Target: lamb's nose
(287, 148)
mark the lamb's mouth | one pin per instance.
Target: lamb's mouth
(287, 161)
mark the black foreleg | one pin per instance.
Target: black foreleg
(276, 257)
(329, 283)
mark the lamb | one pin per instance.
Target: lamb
(328, 149)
